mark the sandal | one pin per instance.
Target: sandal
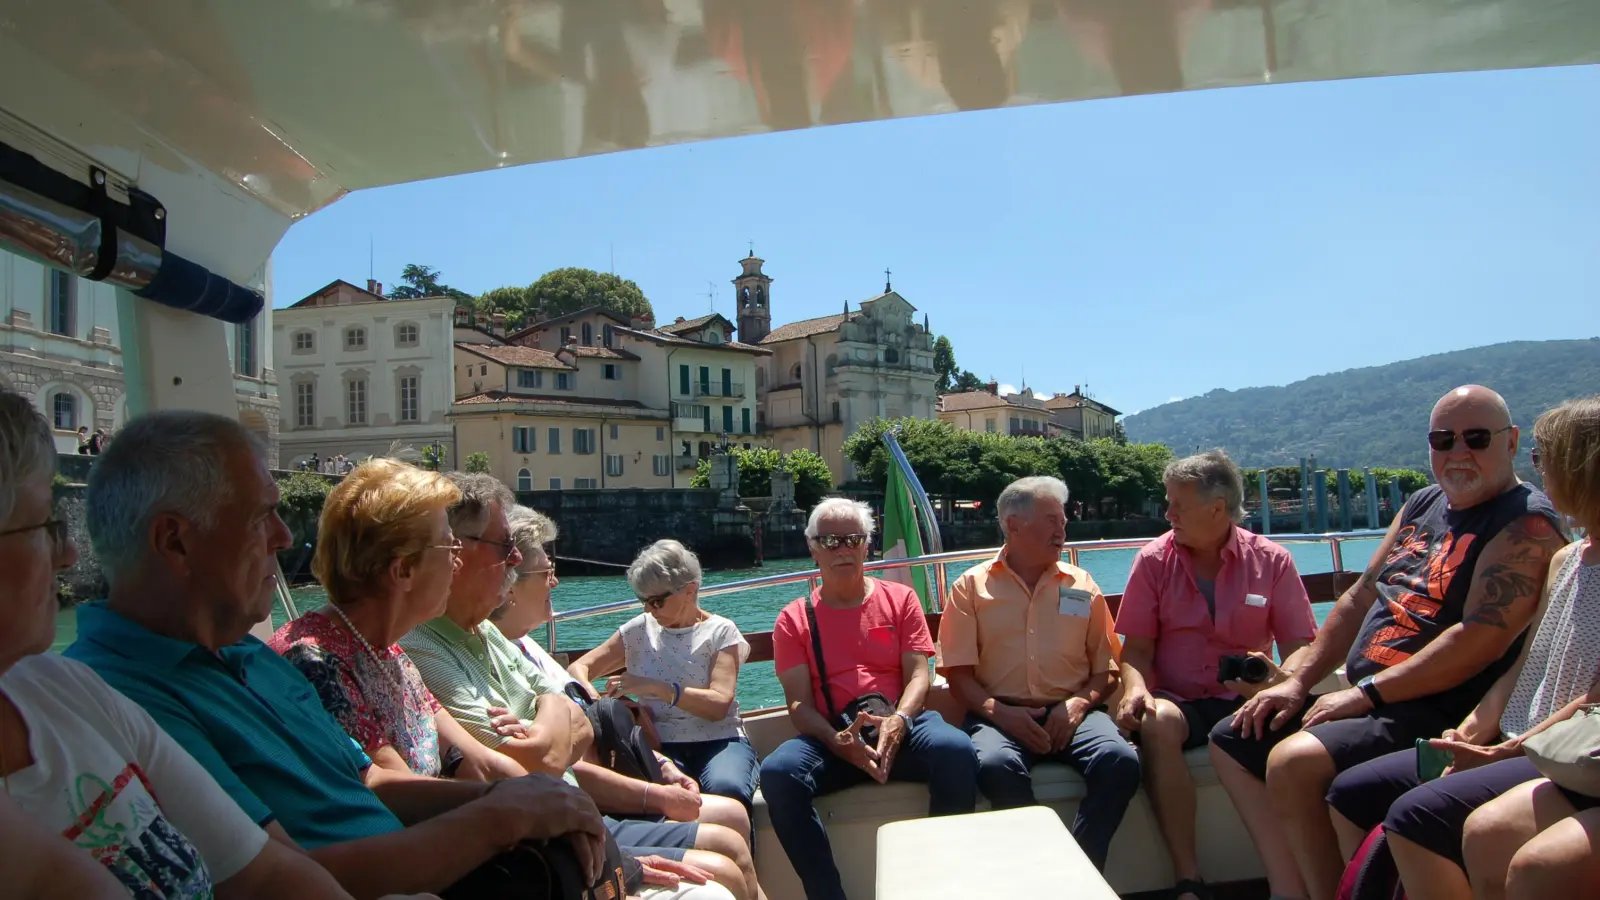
(1199, 889)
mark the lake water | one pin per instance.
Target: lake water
(756, 610)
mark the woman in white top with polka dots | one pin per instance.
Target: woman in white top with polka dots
(681, 663)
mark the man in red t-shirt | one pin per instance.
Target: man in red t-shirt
(874, 640)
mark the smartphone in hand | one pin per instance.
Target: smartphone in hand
(1431, 761)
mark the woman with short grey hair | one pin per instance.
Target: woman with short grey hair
(682, 664)
(527, 604)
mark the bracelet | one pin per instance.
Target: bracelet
(644, 809)
(677, 693)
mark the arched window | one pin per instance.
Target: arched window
(891, 355)
(744, 297)
(794, 373)
(524, 480)
(761, 295)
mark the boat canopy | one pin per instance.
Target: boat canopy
(295, 102)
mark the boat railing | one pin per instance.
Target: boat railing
(939, 564)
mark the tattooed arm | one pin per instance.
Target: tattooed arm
(1504, 594)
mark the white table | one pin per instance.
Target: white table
(1024, 852)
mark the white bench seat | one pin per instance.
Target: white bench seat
(1014, 853)
(1138, 861)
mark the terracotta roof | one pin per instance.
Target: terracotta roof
(603, 353)
(806, 328)
(658, 337)
(309, 298)
(971, 400)
(692, 324)
(547, 323)
(1075, 400)
(500, 396)
(516, 355)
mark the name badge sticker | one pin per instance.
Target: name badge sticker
(1255, 600)
(1075, 602)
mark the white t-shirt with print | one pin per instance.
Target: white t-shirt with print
(106, 777)
(685, 656)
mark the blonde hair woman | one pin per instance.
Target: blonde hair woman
(1537, 840)
(385, 555)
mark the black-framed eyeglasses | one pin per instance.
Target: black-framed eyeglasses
(1444, 441)
(55, 528)
(507, 548)
(835, 541)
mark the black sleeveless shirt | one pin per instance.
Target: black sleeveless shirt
(1422, 588)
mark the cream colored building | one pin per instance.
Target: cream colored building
(1021, 414)
(1081, 416)
(828, 376)
(563, 420)
(691, 371)
(61, 345)
(362, 373)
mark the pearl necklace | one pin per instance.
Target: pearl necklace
(378, 660)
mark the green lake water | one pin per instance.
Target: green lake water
(756, 610)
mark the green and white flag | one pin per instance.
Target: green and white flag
(901, 537)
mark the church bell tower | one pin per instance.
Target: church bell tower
(753, 298)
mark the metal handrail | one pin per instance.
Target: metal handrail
(939, 560)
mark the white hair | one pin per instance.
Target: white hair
(1213, 475)
(839, 508)
(1020, 496)
(27, 452)
(171, 461)
(665, 567)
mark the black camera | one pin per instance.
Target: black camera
(1248, 669)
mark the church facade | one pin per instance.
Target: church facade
(828, 376)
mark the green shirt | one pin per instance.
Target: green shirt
(471, 671)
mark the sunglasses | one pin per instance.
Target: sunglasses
(1474, 438)
(835, 541)
(655, 602)
(1538, 463)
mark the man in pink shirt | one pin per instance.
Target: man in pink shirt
(1201, 599)
(875, 646)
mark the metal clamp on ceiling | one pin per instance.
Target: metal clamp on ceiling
(81, 229)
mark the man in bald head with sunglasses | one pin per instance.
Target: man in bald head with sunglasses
(1435, 619)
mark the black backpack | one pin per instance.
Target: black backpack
(618, 740)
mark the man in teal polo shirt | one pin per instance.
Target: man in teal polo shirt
(182, 511)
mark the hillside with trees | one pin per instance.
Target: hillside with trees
(555, 293)
(1375, 416)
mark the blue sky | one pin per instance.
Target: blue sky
(1152, 248)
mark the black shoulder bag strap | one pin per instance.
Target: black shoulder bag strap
(822, 667)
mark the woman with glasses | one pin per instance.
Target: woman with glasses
(682, 664)
(99, 783)
(385, 555)
(1424, 815)
(527, 604)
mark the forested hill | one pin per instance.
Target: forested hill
(1376, 416)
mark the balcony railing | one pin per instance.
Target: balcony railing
(689, 423)
(732, 390)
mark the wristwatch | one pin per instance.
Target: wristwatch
(904, 718)
(1371, 690)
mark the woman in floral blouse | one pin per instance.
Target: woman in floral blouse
(385, 555)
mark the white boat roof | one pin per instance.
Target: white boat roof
(299, 101)
(242, 116)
